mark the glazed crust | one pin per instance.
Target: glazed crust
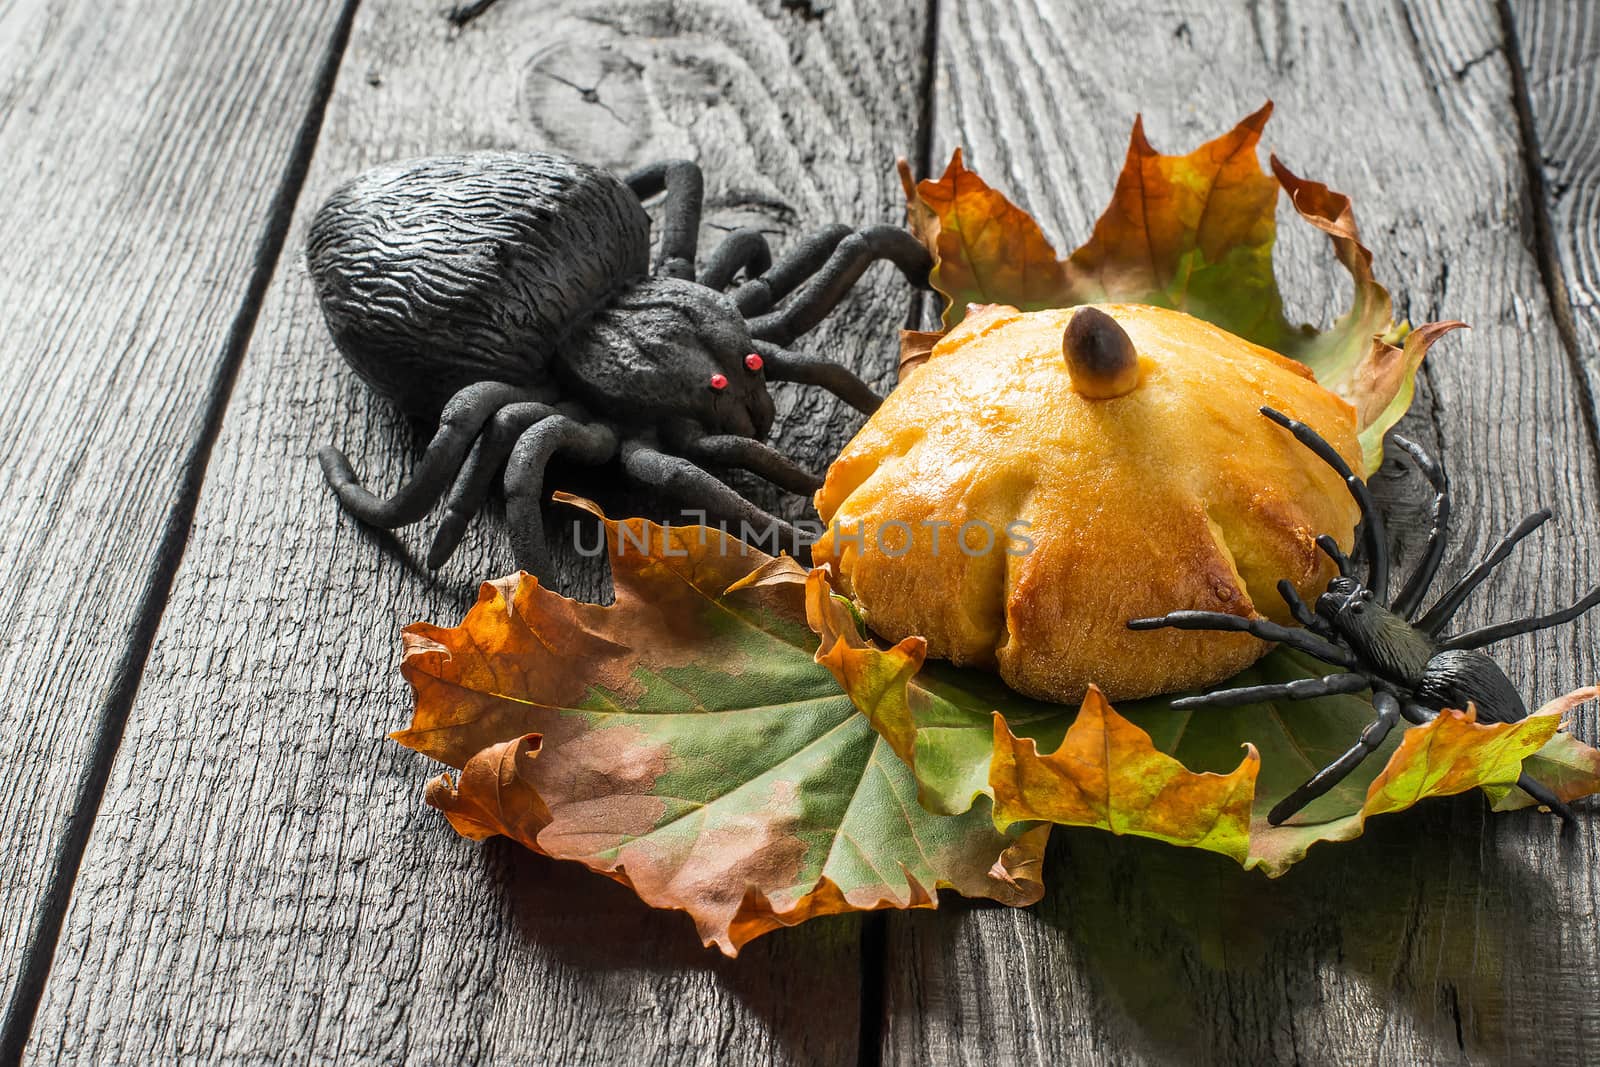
(1178, 494)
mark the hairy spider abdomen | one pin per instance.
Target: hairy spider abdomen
(437, 273)
(1455, 678)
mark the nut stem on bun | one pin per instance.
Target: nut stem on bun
(1100, 356)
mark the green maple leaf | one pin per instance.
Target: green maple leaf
(684, 742)
(968, 737)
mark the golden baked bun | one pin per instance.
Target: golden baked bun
(1175, 494)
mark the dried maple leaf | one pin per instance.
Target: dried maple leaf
(1193, 232)
(1566, 765)
(684, 742)
(1449, 754)
(966, 736)
(1107, 773)
(986, 249)
(1190, 232)
(1100, 769)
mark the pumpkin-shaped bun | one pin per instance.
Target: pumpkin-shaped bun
(1175, 492)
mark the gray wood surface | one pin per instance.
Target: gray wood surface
(142, 159)
(1560, 51)
(263, 883)
(1451, 936)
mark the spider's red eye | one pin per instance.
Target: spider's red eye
(753, 361)
(719, 381)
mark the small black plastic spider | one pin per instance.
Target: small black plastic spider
(1412, 671)
(510, 297)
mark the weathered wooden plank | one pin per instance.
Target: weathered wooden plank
(143, 152)
(263, 882)
(1559, 48)
(1443, 936)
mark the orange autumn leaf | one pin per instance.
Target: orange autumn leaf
(683, 741)
(986, 249)
(1101, 770)
(1193, 232)
(1108, 774)
(1353, 357)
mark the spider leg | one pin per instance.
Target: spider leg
(1488, 635)
(524, 480)
(1331, 549)
(782, 365)
(1405, 605)
(680, 218)
(1372, 522)
(746, 453)
(488, 455)
(1266, 629)
(757, 295)
(744, 250)
(1416, 714)
(1443, 611)
(459, 424)
(1388, 709)
(1303, 614)
(1299, 689)
(680, 478)
(829, 285)
(1543, 796)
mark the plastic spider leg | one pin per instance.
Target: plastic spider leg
(1410, 599)
(822, 293)
(782, 365)
(680, 478)
(1372, 522)
(524, 480)
(680, 217)
(757, 295)
(742, 250)
(1545, 797)
(459, 424)
(1331, 549)
(1488, 635)
(1299, 689)
(488, 455)
(1416, 714)
(1388, 709)
(1301, 612)
(745, 453)
(1441, 613)
(1265, 629)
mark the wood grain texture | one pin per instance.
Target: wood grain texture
(1559, 45)
(141, 159)
(264, 883)
(1445, 936)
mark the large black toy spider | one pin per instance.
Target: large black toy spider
(1412, 671)
(510, 296)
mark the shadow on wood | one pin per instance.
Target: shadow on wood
(596, 926)
(1185, 957)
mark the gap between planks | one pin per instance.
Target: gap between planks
(39, 949)
(1556, 287)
